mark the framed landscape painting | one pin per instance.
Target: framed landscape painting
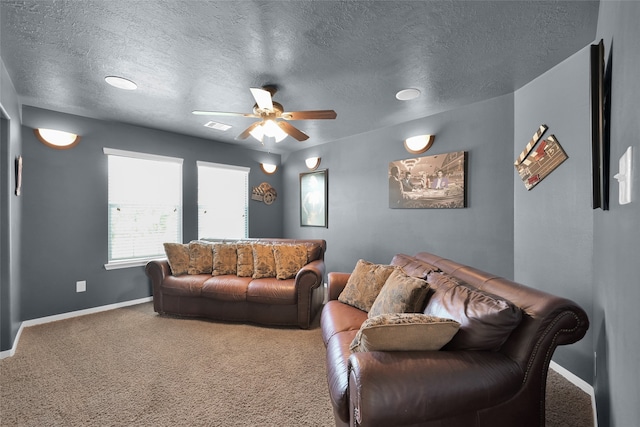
(313, 199)
(428, 182)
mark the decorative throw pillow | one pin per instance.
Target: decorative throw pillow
(364, 284)
(178, 257)
(400, 294)
(404, 332)
(289, 260)
(245, 260)
(486, 320)
(225, 259)
(200, 257)
(264, 263)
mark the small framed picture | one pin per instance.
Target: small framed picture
(313, 199)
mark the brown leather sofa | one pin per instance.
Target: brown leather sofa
(449, 387)
(268, 301)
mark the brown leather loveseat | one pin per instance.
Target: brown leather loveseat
(465, 383)
(232, 296)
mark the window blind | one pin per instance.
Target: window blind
(144, 206)
(223, 201)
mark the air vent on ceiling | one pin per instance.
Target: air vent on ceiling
(217, 126)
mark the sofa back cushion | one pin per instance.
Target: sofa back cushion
(413, 266)
(486, 320)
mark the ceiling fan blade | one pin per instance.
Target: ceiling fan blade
(221, 113)
(309, 115)
(263, 98)
(293, 131)
(247, 131)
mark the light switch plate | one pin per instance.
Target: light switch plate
(625, 177)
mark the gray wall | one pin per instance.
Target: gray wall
(10, 213)
(361, 225)
(553, 242)
(617, 232)
(64, 216)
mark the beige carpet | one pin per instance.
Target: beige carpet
(131, 367)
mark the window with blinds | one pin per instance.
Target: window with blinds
(145, 206)
(223, 201)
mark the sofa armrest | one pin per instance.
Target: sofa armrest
(412, 387)
(311, 275)
(157, 270)
(336, 283)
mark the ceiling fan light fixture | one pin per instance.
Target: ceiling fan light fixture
(121, 83)
(272, 130)
(418, 144)
(58, 139)
(268, 168)
(408, 94)
(312, 163)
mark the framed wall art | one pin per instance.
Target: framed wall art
(429, 182)
(314, 199)
(600, 95)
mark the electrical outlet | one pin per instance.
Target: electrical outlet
(81, 286)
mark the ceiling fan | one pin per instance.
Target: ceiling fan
(270, 112)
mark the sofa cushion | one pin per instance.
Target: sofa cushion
(225, 259)
(338, 317)
(270, 290)
(200, 257)
(404, 332)
(314, 250)
(245, 259)
(486, 320)
(364, 284)
(289, 260)
(264, 263)
(400, 294)
(178, 257)
(226, 288)
(185, 285)
(413, 266)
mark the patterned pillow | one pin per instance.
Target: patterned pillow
(245, 260)
(200, 257)
(364, 284)
(400, 294)
(178, 257)
(289, 260)
(225, 259)
(264, 263)
(404, 332)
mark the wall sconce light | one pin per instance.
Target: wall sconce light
(418, 144)
(57, 139)
(312, 163)
(268, 168)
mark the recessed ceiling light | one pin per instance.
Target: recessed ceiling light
(121, 83)
(407, 94)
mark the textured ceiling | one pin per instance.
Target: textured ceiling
(350, 56)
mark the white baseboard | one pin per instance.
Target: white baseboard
(55, 318)
(580, 383)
